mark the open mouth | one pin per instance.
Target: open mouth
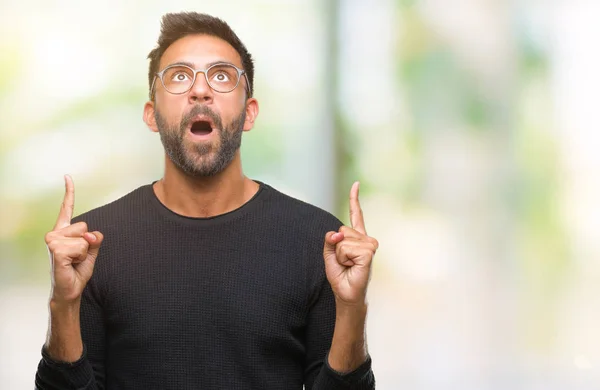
(201, 127)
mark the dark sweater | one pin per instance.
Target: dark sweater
(236, 301)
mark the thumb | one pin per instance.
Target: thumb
(95, 240)
(331, 240)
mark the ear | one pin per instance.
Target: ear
(149, 116)
(251, 113)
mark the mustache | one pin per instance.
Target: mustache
(201, 110)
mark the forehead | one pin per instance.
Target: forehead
(200, 50)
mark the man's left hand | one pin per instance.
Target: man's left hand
(348, 255)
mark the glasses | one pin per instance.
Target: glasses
(179, 79)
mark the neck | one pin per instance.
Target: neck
(203, 197)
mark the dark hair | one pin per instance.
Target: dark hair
(178, 25)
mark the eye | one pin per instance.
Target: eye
(221, 77)
(180, 77)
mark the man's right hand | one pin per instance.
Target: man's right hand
(73, 252)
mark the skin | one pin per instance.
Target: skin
(224, 192)
(348, 253)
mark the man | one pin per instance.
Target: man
(206, 279)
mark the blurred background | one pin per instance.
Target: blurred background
(471, 124)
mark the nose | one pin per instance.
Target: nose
(200, 91)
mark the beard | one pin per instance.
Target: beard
(201, 159)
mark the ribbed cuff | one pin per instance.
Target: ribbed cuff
(63, 365)
(54, 374)
(361, 378)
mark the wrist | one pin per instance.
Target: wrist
(64, 300)
(348, 348)
(346, 307)
(63, 308)
(63, 342)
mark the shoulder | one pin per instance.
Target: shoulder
(286, 208)
(117, 211)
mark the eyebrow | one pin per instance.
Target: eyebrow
(207, 65)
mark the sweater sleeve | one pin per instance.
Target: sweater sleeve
(87, 373)
(319, 333)
(320, 323)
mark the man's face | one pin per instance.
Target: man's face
(201, 130)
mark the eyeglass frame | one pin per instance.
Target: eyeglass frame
(240, 72)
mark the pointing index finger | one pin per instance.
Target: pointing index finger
(356, 214)
(66, 210)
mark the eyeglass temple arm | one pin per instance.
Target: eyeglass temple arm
(152, 87)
